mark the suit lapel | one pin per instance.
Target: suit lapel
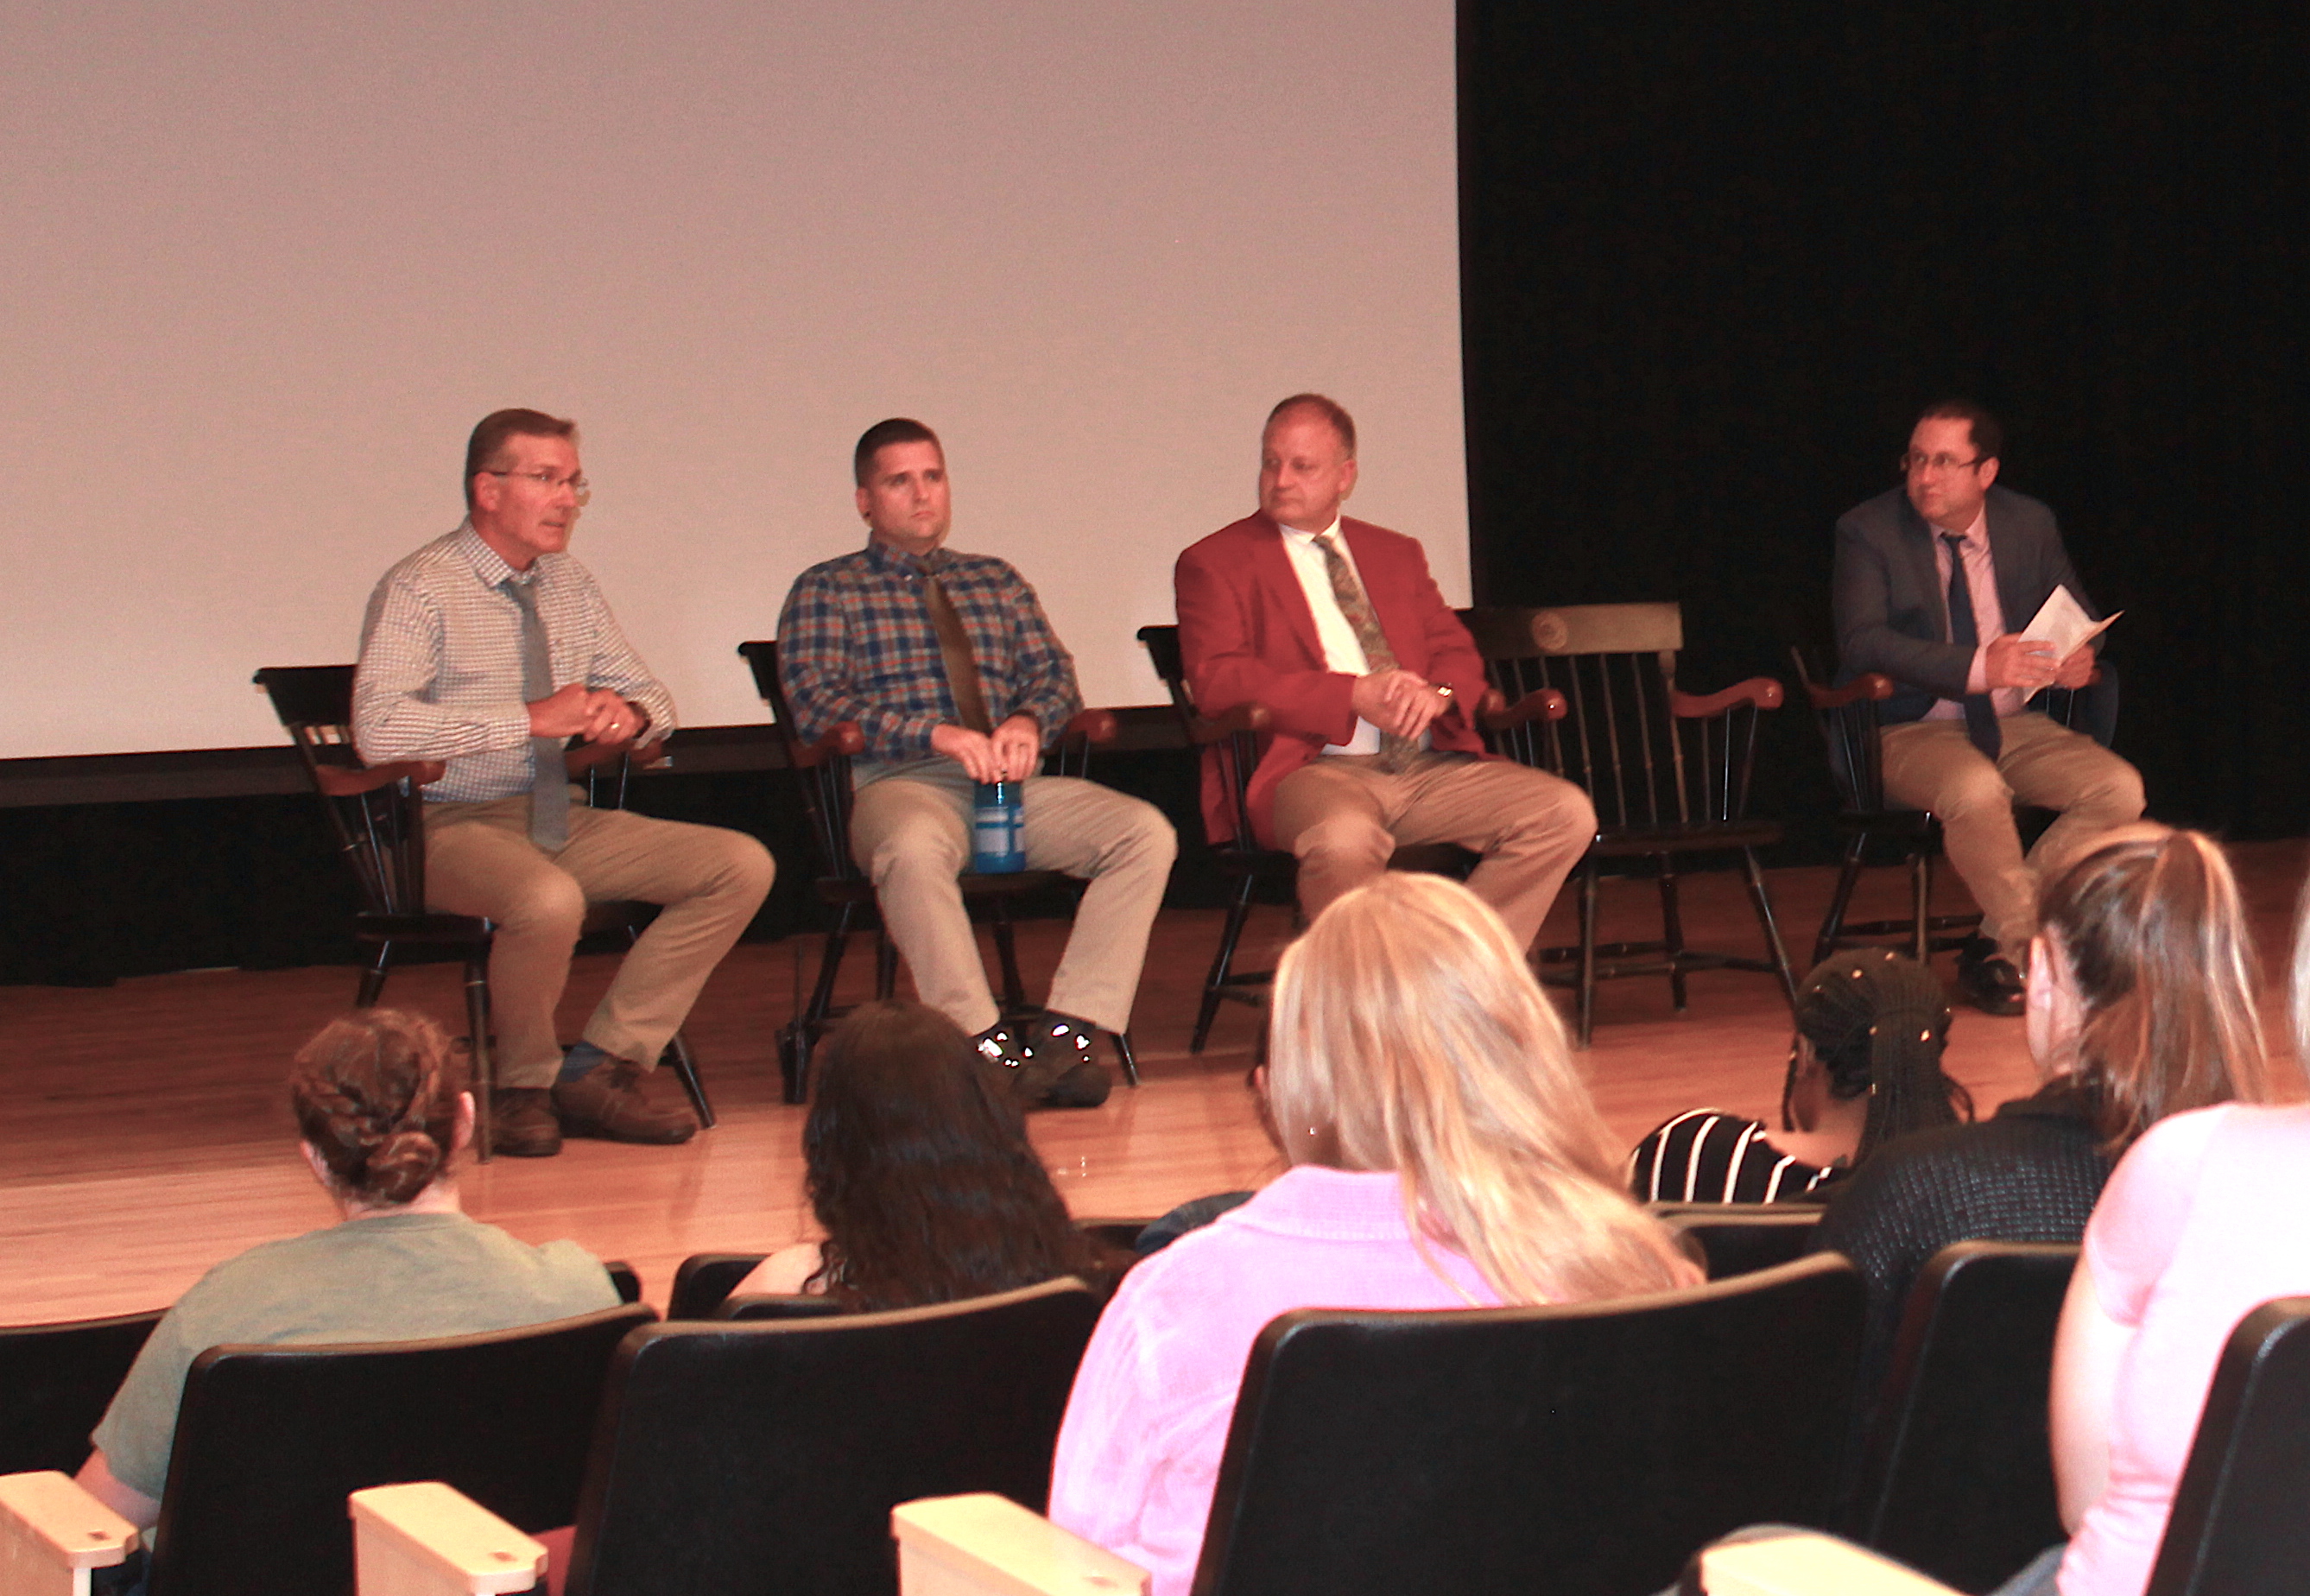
(1917, 541)
(2014, 576)
(1275, 573)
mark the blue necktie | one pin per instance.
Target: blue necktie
(549, 781)
(1980, 713)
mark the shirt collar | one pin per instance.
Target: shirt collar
(489, 568)
(1306, 539)
(1975, 536)
(889, 558)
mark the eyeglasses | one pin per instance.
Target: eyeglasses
(1913, 462)
(546, 480)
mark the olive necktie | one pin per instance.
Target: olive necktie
(1980, 713)
(549, 780)
(954, 651)
(1395, 750)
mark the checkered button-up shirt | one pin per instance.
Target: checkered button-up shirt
(855, 643)
(440, 673)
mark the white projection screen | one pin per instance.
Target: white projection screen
(267, 261)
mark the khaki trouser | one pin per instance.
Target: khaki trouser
(910, 834)
(1343, 816)
(479, 860)
(1932, 765)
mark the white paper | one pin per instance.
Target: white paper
(2062, 623)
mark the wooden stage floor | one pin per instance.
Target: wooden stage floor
(145, 1135)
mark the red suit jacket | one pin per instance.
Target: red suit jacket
(1248, 636)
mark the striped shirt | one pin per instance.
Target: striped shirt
(440, 674)
(1708, 1156)
(855, 643)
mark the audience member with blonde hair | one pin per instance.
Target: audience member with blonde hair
(382, 1111)
(2139, 1004)
(2199, 1226)
(1444, 1153)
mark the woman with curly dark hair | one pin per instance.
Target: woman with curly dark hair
(921, 1173)
(382, 1110)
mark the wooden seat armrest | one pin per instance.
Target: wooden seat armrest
(1874, 685)
(431, 1540)
(1495, 714)
(986, 1545)
(1762, 692)
(349, 781)
(843, 740)
(1242, 717)
(1807, 1563)
(1092, 726)
(52, 1533)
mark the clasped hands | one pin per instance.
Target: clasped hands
(1011, 752)
(595, 714)
(1402, 702)
(2013, 661)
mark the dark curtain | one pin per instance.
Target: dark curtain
(1715, 258)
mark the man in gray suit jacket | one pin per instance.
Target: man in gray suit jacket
(1931, 578)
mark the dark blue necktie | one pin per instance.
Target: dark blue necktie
(1980, 713)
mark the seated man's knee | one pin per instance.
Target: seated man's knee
(545, 903)
(1972, 791)
(747, 865)
(1148, 834)
(920, 844)
(1345, 841)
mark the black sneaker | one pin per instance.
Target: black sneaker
(1048, 1061)
(1988, 980)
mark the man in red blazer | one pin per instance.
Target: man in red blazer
(1373, 686)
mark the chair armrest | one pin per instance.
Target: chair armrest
(52, 1532)
(986, 1545)
(1760, 692)
(843, 740)
(1242, 717)
(1874, 685)
(349, 781)
(1092, 726)
(431, 1540)
(1805, 1563)
(1495, 714)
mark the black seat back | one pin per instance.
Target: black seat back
(1581, 1449)
(2237, 1527)
(768, 1456)
(55, 1381)
(1956, 1475)
(704, 1278)
(1739, 1238)
(270, 1441)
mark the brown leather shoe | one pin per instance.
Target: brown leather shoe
(522, 1123)
(607, 1101)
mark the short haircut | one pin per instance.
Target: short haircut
(1988, 437)
(881, 435)
(491, 431)
(1331, 410)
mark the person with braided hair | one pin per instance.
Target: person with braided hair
(1865, 1067)
(382, 1111)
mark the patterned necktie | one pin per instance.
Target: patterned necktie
(1395, 750)
(1980, 713)
(954, 651)
(549, 781)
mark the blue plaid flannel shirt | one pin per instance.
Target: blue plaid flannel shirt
(855, 643)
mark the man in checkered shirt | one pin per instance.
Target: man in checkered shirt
(486, 650)
(860, 640)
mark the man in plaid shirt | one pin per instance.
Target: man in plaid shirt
(946, 663)
(486, 650)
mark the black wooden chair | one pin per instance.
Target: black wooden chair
(1957, 1474)
(55, 1381)
(1847, 714)
(1739, 1238)
(754, 1306)
(768, 1456)
(1667, 770)
(1234, 742)
(378, 816)
(824, 769)
(270, 1439)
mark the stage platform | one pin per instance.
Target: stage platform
(144, 1134)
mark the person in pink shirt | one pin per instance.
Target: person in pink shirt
(1444, 1153)
(2184, 1242)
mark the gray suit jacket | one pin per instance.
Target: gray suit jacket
(1892, 608)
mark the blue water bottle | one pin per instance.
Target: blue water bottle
(998, 830)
